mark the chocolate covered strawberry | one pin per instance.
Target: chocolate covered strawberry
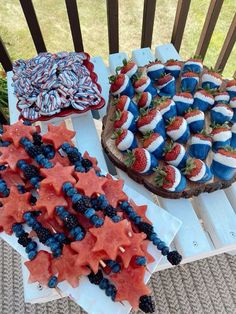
(144, 84)
(211, 79)
(221, 113)
(233, 138)
(124, 120)
(232, 104)
(189, 82)
(141, 161)
(183, 102)
(166, 106)
(144, 100)
(125, 103)
(121, 85)
(170, 179)
(197, 171)
(175, 155)
(221, 135)
(155, 70)
(222, 97)
(167, 85)
(195, 119)
(224, 163)
(129, 68)
(154, 143)
(200, 145)
(178, 130)
(231, 88)
(151, 120)
(124, 139)
(173, 67)
(193, 65)
(203, 100)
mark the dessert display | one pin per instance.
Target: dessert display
(55, 85)
(72, 219)
(171, 127)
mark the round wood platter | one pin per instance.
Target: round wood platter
(118, 158)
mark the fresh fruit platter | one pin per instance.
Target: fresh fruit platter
(172, 127)
(56, 84)
(72, 220)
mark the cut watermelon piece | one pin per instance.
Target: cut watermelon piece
(57, 135)
(11, 178)
(141, 211)
(114, 192)
(144, 246)
(89, 183)
(57, 176)
(11, 154)
(93, 161)
(6, 222)
(16, 131)
(64, 161)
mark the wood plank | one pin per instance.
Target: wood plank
(142, 56)
(116, 60)
(113, 25)
(72, 11)
(180, 22)
(208, 28)
(167, 52)
(227, 46)
(5, 59)
(191, 239)
(149, 9)
(32, 21)
(218, 216)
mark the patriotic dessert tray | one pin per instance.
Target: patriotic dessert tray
(55, 85)
(172, 127)
(76, 226)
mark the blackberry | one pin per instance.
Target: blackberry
(110, 211)
(174, 257)
(33, 200)
(82, 204)
(146, 304)
(95, 278)
(86, 163)
(43, 234)
(33, 151)
(71, 222)
(73, 157)
(145, 227)
(31, 171)
(37, 139)
(24, 240)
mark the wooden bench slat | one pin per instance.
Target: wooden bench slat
(208, 28)
(149, 9)
(227, 46)
(180, 22)
(5, 59)
(72, 11)
(113, 25)
(32, 21)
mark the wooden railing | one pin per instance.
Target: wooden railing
(147, 29)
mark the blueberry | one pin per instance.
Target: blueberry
(31, 246)
(79, 236)
(165, 250)
(32, 255)
(132, 215)
(21, 163)
(141, 260)
(152, 236)
(137, 220)
(109, 290)
(104, 284)
(156, 241)
(55, 246)
(116, 268)
(52, 282)
(161, 245)
(57, 253)
(31, 221)
(71, 192)
(60, 210)
(99, 223)
(75, 198)
(116, 218)
(65, 146)
(124, 205)
(66, 186)
(89, 212)
(17, 228)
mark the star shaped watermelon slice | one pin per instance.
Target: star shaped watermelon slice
(11, 177)
(89, 183)
(144, 246)
(130, 285)
(66, 269)
(114, 192)
(6, 222)
(57, 135)
(85, 255)
(16, 131)
(11, 154)
(141, 211)
(49, 200)
(93, 161)
(110, 237)
(16, 204)
(40, 268)
(64, 161)
(57, 176)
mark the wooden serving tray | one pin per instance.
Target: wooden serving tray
(117, 158)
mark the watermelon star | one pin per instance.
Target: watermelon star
(11, 154)
(40, 268)
(65, 267)
(85, 255)
(57, 176)
(114, 193)
(11, 177)
(64, 161)
(57, 135)
(6, 222)
(130, 285)
(111, 236)
(16, 131)
(144, 246)
(49, 200)
(93, 161)
(141, 211)
(89, 183)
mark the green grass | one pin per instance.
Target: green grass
(55, 27)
